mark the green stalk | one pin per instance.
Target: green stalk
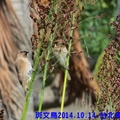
(65, 78)
(86, 47)
(45, 74)
(87, 19)
(50, 17)
(25, 108)
(24, 113)
(67, 64)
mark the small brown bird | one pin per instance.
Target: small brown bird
(60, 55)
(24, 69)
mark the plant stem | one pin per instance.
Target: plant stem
(65, 79)
(50, 17)
(67, 64)
(45, 74)
(25, 108)
(87, 19)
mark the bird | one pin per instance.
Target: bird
(59, 55)
(23, 69)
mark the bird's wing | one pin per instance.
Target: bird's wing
(19, 65)
(18, 74)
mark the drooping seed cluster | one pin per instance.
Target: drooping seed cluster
(2, 114)
(109, 74)
(53, 18)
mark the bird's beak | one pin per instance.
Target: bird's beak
(26, 52)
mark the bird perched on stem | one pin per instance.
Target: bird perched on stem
(23, 68)
(60, 54)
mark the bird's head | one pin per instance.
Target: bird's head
(23, 53)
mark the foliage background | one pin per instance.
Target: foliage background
(98, 28)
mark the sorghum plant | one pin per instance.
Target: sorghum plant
(55, 23)
(109, 74)
(2, 114)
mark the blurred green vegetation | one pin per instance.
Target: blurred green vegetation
(98, 28)
(98, 63)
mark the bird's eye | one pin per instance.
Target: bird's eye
(20, 51)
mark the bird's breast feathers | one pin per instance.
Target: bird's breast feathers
(24, 69)
(28, 71)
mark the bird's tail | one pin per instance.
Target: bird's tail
(25, 86)
(69, 77)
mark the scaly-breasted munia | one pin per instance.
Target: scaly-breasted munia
(24, 69)
(60, 54)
